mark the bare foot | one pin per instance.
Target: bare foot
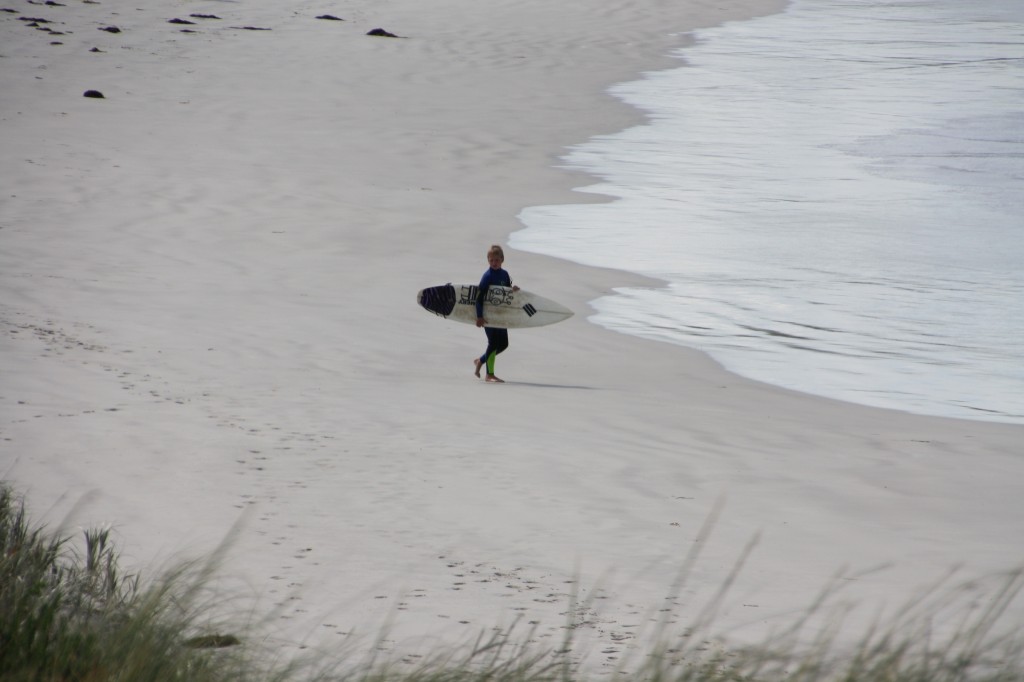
(493, 378)
(477, 363)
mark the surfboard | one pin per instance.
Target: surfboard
(503, 307)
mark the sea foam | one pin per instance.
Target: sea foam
(833, 198)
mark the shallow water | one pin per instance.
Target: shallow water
(833, 196)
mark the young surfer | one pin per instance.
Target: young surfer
(497, 339)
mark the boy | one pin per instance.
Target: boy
(497, 339)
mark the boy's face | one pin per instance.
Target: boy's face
(495, 260)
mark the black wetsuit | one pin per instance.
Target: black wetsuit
(497, 339)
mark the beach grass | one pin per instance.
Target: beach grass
(74, 614)
(68, 613)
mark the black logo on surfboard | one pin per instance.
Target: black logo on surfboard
(495, 295)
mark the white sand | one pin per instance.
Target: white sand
(207, 289)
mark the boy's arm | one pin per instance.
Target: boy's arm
(485, 283)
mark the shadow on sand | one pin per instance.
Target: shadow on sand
(534, 384)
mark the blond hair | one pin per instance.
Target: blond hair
(495, 249)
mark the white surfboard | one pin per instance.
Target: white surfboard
(503, 307)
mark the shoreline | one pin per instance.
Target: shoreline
(208, 321)
(970, 391)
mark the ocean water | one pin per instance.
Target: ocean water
(834, 196)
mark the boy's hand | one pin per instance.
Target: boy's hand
(480, 322)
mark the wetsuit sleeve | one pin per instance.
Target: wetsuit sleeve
(485, 283)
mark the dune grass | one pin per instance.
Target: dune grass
(71, 614)
(68, 614)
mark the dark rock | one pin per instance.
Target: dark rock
(250, 28)
(111, 29)
(181, 21)
(95, 94)
(95, 49)
(204, 16)
(212, 642)
(34, 21)
(381, 32)
(330, 17)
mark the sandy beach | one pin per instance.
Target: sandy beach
(207, 323)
